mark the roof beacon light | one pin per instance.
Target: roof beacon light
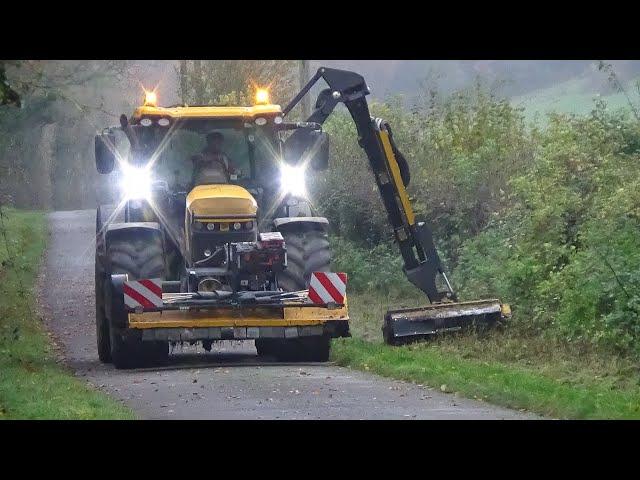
(262, 96)
(150, 98)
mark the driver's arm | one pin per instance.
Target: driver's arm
(196, 161)
(231, 169)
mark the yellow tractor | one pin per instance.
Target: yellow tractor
(214, 237)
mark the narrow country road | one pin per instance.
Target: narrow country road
(230, 382)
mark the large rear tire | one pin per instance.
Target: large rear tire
(139, 256)
(307, 252)
(129, 351)
(104, 214)
(304, 349)
(102, 325)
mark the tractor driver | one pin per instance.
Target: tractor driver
(212, 164)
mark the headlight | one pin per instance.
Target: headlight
(136, 183)
(292, 179)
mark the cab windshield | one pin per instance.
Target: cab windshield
(251, 153)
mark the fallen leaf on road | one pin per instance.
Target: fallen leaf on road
(443, 388)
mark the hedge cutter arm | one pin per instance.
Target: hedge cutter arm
(422, 264)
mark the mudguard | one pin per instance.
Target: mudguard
(320, 223)
(129, 229)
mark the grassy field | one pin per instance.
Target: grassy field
(504, 368)
(32, 384)
(575, 96)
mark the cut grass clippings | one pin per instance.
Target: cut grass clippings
(32, 384)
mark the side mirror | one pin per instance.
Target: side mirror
(105, 156)
(305, 143)
(320, 161)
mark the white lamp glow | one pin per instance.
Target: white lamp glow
(292, 179)
(135, 183)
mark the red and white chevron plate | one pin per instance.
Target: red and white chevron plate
(327, 287)
(145, 293)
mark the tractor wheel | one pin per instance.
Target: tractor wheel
(140, 257)
(129, 351)
(307, 252)
(104, 213)
(306, 349)
(102, 325)
(264, 346)
(303, 349)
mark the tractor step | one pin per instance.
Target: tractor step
(413, 324)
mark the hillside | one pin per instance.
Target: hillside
(576, 96)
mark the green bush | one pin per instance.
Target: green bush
(377, 268)
(546, 219)
(567, 253)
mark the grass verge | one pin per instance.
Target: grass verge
(32, 384)
(507, 369)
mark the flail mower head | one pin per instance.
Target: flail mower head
(408, 325)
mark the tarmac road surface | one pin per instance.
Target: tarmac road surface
(231, 382)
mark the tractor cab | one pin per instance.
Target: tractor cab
(180, 147)
(211, 177)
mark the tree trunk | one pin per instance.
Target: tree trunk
(305, 103)
(183, 81)
(197, 83)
